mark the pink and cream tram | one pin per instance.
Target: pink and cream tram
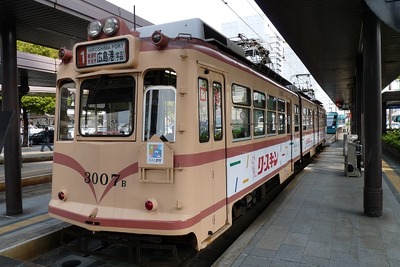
(171, 136)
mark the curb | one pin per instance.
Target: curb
(34, 180)
(31, 159)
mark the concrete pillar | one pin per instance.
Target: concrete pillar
(12, 170)
(372, 98)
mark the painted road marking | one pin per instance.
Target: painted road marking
(23, 224)
(391, 175)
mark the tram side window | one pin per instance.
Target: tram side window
(106, 106)
(240, 113)
(296, 118)
(322, 121)
(271, 114)
(217, 90)
(66, 116)
(281, 116)
(289, 119)
(259, 104)
(159, 116)
(307, 119)
(160, 112)
(312, 118)
(204, 126)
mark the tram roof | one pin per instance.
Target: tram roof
(326, 36)
(55, 24)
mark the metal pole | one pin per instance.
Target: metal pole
(359, 90)
(12, 170)
(372, 98)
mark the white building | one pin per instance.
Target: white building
(285, 61)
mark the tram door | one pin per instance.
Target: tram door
(212, 123)
(314, 127)
(290, 130)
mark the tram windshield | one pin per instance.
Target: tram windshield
(106, 106)
(331, 120)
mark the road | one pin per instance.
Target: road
(37, 166)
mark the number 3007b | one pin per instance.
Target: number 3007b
(104, 179)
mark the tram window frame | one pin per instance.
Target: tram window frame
(218, 111)
(305, 119)
(67, 102)
(259, 105)
(240, 112)
(162, 121)
(296, 121)
(281, 116)
(288, 118)
(165, 125)
(271, 115)
(203, 115)
(322, 120)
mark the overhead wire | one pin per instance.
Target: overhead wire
(267, 22)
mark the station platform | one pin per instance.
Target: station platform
(24, 235)
(318, 220)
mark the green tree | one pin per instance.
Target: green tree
(35, 105)
(37, 49)
(39, 104)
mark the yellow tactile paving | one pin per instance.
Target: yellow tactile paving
(391, 175)
(24, 223)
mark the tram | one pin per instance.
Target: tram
(170, 131)
(331, 122)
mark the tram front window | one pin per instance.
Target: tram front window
(106, 106)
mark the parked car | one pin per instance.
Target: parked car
(37, 138)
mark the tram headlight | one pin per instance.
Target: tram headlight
(151, 204)
(94, 29)
(110, 26)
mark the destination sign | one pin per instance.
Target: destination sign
(104, 53)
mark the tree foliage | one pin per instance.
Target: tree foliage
(39, 104)
(37, 49)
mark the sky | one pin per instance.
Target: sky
(212, 12)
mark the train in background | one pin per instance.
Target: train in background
(171, 131)
(331, 122)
